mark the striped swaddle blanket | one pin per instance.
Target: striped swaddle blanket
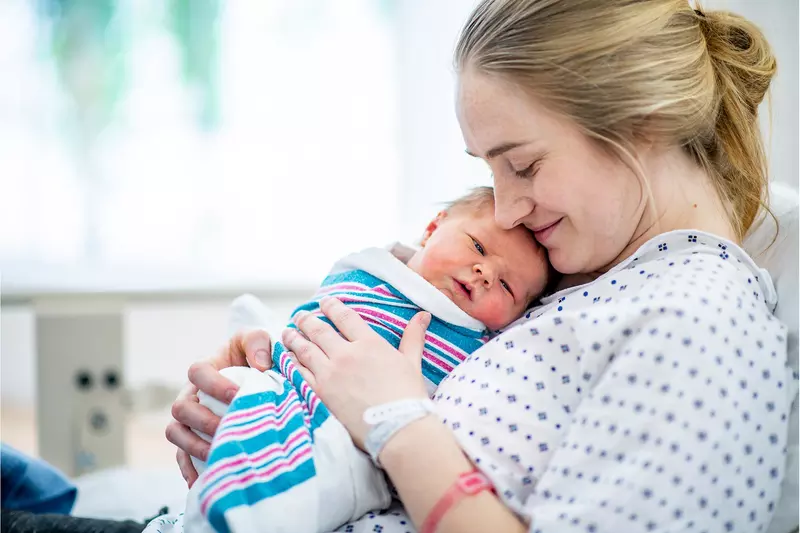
(264, 446)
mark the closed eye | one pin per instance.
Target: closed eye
(478, 247)
(531, 170)
(526, 172)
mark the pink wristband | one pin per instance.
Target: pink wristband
(467, 484)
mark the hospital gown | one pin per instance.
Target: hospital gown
(654, 398)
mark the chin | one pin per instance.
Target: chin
(565, 263)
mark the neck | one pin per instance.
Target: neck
(683, 197)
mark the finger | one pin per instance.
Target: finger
(306, 352)
(188, 392)
(319, 333)
(185, 439)
(346, 320)
(308, 376)
(195, 416)
(412, 343)
(257, 347)
(187, 468)
(206, 377)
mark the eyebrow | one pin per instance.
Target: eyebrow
(499, 150)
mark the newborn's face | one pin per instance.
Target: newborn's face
(490, 273)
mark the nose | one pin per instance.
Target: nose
(510, 206)
(485, 273)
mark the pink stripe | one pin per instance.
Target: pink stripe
(262, 475)
(369, 320)
(455, 352)
(313, 402)
(311, 399)
(234, 462)
(435, 359)
(382, 290)
(343, 287)
(244, 433)
(388, 318)
(351, 299)
(257, 410)
(458, 354)
(368, 298)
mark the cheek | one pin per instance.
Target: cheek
(599, 194)
(437, 258)
(603, 218)
(494, 310)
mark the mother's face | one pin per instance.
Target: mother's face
(582, 203)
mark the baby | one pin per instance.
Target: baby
(280, 462)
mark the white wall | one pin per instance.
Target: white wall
(436, 168)
(17, 355)
(778, 19)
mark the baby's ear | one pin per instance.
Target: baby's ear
(433, 225)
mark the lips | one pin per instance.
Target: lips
(543, 232)
(543, 227)
(463, 289)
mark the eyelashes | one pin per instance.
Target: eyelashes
(529, 171)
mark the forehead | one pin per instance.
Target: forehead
(491, 111)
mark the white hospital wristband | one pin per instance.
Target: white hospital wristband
(387, 419)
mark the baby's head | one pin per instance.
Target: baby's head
(490, 273)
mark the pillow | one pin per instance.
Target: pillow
(781, 261)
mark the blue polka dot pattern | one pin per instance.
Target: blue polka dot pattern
(651, 399)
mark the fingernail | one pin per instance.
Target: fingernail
(230, 395)
(261, 357)
(426, 320)
(288, 335)
(299, 315)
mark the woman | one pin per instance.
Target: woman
(624, 135)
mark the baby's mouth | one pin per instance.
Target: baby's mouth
(465, 289)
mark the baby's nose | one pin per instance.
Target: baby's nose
(485, 274)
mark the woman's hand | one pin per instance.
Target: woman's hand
(357, 369)
(252, 348)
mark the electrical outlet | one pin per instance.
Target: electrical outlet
(81, 413)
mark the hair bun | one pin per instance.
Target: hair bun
(741, 54)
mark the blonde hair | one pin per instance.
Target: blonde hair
(476, 199)
(655, 69)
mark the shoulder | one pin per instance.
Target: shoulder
(683, 269)
(690, 285)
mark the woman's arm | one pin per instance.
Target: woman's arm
(362, 370)
(422, 473)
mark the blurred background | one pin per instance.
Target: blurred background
(160, 157)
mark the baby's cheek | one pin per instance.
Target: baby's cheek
(493, 312)
(432, 264)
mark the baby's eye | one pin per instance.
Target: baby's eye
(479, 247)
(506, 287)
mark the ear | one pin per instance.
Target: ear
(432, 226)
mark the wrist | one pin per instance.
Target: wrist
(386, 419)
(406, 444)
